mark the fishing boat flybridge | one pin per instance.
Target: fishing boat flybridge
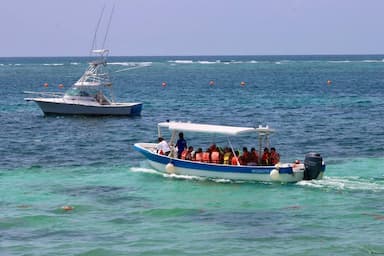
(90, 95)
(312, 168)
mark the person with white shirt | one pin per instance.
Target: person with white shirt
(163, 147)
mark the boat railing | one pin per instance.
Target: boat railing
(54, 94)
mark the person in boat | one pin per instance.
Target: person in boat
(274, 157)
(215, 155)
(199, 155)
(244, 158)
(101, 98)
(227, 156)
(253, 157)
(187, 153)
(265, 159)
(181, 145)
(207, 156)
(163, 147)
(235, 158)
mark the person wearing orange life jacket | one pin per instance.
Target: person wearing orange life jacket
(265, 159)
(184, 154)
(244, 159)
(187, 153)
(215, 157)
(253, 157)
(274, 157)
(235, 158)
(199, 155)
(207, 156)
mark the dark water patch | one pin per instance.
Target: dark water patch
(90, 190)
(100, 252)
(171, 212)
(28, 221)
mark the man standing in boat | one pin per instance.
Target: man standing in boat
(181, 145)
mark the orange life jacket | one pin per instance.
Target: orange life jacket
(234, 161)
(199, 157)
(215, 157)
(274, 158)
(206, 157)
(184, 154)
(265, 159)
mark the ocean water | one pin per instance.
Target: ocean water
(120, 206)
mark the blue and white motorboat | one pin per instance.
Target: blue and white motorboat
(90, 95)
(312, 168)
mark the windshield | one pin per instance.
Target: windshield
(80, 92)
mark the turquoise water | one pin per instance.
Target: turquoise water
(122, 207)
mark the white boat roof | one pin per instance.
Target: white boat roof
(215, 129)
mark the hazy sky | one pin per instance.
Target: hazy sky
(193, 27)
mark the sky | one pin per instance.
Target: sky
(192, 27)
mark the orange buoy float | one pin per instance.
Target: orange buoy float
(329, 82)
(67, 208)
(163, 84)
(211, 83)
(45, 84)
(242, 83)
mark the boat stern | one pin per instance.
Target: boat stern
(314, 166)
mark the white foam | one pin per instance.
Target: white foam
(344, 183)
(166, 175)
(339, 61)
(208, 62)
(183, 177)
(144, 170)
(372, 61)
(181, 61)
(53, 64)
(222, 180)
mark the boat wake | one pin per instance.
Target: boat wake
(166, 175)
(351, 183)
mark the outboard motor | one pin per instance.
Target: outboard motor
(313, 166)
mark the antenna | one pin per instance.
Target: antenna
(109, 24)
(97, 28)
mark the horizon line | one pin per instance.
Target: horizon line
(198, 55)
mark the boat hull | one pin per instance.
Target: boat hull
(284, 173)
(61, 107)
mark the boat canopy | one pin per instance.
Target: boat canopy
(213, 129)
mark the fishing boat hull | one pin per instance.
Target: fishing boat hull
(285, 173)
(59, 106)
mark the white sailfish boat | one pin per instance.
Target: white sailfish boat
(91, 94)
